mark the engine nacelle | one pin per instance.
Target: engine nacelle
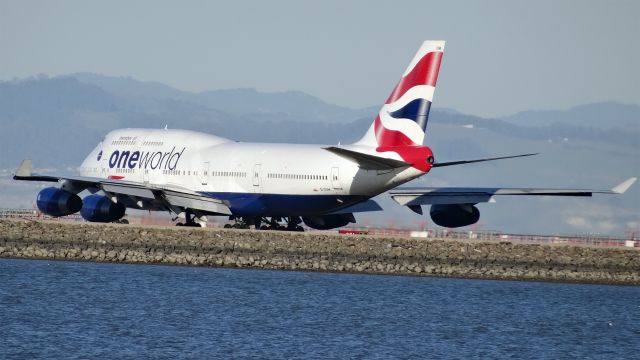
(57, 202)
(97, 208)
(454, 215)
(326, 222)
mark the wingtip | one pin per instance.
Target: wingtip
(624, 186)
(24, 170)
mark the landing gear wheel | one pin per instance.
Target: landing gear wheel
(191, 220)
(291, 223)
(241, 223)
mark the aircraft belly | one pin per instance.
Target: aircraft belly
(256, 204)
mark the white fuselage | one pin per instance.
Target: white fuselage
(230, 170)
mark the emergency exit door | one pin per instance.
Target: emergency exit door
(204, 173)
(335, 178)
(256, 177)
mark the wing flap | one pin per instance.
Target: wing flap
(364, 206)
(439, 199)
(198, 202)
(129, 190)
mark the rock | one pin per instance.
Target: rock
(318, 252)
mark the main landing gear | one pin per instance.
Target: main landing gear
(239, 223)
(191, 220)
(287, 223)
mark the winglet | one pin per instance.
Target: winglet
(24, 170)
(24, 173)
(624, 186)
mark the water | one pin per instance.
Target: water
(87, 310)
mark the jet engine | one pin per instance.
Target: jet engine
(454, 215)
(97, 208)
(57, 202)
(326, 222)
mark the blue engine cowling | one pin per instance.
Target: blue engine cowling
(97, 208)
(454, 215)
(57, 202)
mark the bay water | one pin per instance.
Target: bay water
(82, 310)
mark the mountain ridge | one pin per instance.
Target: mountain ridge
(57, 121)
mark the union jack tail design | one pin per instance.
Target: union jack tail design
(403, 118)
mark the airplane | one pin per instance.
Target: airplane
(194, 175)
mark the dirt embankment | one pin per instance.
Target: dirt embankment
(316, 252)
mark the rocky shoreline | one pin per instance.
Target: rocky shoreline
(28, 239)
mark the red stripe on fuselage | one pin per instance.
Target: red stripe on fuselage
(116, 177)
(424, 73)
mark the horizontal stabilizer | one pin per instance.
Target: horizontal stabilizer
(437, 164)
(367, 161)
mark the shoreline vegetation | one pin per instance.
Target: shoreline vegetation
(54, 240)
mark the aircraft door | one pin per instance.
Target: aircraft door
(141, 172)
(204, 173)
(256, 177)
(104, 164)
(335, 178)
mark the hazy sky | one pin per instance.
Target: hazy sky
(501, 56)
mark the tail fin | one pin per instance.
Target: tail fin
(403, 118)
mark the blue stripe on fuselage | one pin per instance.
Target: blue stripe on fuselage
(255, 204)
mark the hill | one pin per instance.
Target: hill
(56, 121)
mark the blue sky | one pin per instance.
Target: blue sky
(501, 56)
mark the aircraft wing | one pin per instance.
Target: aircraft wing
(414, 197)
(169, 196)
